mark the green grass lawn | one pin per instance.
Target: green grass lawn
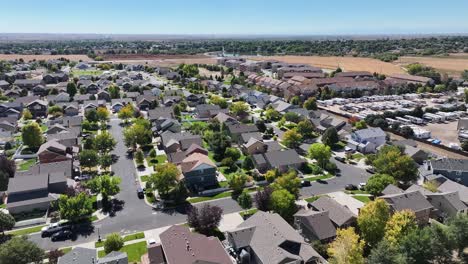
(357, 156)
(248, 212)
(319, 177)
(93, 218)
(357, 192)
(144, 178)
(86, 72)
(26, 231)
(66, 250)
(26, 164)
(209, 198)
(312, 199)
(2, 205)
(158, 160)
(134, 251)
(362, 198)
(44, 128)
(125, 239)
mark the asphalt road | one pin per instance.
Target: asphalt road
(137, 216)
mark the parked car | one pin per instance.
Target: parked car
(62, 235)
(362, 185)
(340, 159)
(51, 231)
(305, 183)
(82, 177)
(52, 225)
(350, 187)
(370, 170)
(140, 193)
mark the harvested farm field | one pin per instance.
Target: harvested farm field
(452, 65)
(160, 60)
(43, 57)
(346, 63)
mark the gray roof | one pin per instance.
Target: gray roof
(166, 112)
(246, 136)
(450, 164)
(283, 158)
(114, 257)
(451, 186)
(413, 200)
(318, 223)
(370, 132)
(451, 198)
(391, 189)
(79, 255)
(420, 188)
(273, 240)
(462, 124)
(338, 213)
(27, 183)
(241, 128)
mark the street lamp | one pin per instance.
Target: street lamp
(99, 235)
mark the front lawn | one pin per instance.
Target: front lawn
(319, 177)
(144, 178)
(357, 156)
(26, 231)
(312, 199)
(125, 239)
(209, 198)
(362, 198)
(248, 213)
(26, 164)
(158, 160)
(134, 251)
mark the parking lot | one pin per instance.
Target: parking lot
(446, 132)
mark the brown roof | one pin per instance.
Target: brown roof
(181, 246)
(411, 78)
(194, 160)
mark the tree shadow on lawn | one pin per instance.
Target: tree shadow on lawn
(113, 206)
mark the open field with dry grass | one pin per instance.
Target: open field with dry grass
(346, 63)
(452, 65)
(160, 60)
(43, 57)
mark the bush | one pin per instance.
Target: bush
(113, 242)
(245, 200)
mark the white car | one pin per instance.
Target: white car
(362, 185)
(151, 241)
(83, 177)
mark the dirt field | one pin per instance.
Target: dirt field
(160, 60)
(346, 63)
(43, 57)
(452, 65)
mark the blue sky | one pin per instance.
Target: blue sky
(297, 17)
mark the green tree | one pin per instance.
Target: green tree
(272, 114)
(320, 152)
(306, 128)
(239, 109)
(237, 182)
(311, 104)
(27, 114)
(32, 135)
(361, 124)
(399, 225)
(271, 175)
(458, 232)
(165, 178)
(104, 142)
(289, 182)
(330, 137)
(105, 161)
(283, 203)
(384, 253)
(113, 242)
(7, 222)
(218, 100)
(248, 164)
(245, 200)
(88, 158)
(390, 160)
(378, 182)
(292, 139)
(106, 185)
(139, 157)
(71, 89)
(19, 250)
(415, 246)
(55, 111)
(114, 91)
(76, 207)
(102, 114)
(91, 115)
(347, 248)
(232, 153)
(126, 112)
(372, 220)
(137, 134)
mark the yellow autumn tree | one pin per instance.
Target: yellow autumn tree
(372, 220)
(399, 225)
(347, 248)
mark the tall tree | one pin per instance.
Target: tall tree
(106, 185)
(306, 128)
(104, 142)
(310, 104)
(239, 109)
(126, 112)
(102, 113)
(372, 220)
(237, 182)
(205, 220)
(289, 182)
(165, 178)
(262, 199)
(392, 161)
(385, 253)
(347, 248)
(7, 222)
(320, 152)
(283, 203)
(330, 137)
(458, 232)
(76, 207)
(88, 158)
(378, 182)
(71, 89)
(19, 250)
(399, 225)
(32, 135)
(245, 200)
(292, 139)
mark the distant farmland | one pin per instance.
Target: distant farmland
(452, 65)
(43, 57)
(346, 63)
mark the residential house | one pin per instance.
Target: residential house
(27, 83)
(283, 160)
(367, 140)
(173, 142)
(179, 156)
(53, 151)
(414, 201)
(55, 78)
(323, 121)
(447, 204)
(92, 88)
(451, 186)
(198, 171)
(179, 245)
(71, 109)
(146, 102)
(62, 97)
(161, 112)
(79, 255)
(236, 130)
(166, 124)
(4, 84)
(38, 108)
(411, 149)
(340, 215)
(115, 257)
(315, 225)
(40, 90)
(104, 95)
(223, 118)
(8, 124)
(203, 110)
(454, 169)
(266, 238)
